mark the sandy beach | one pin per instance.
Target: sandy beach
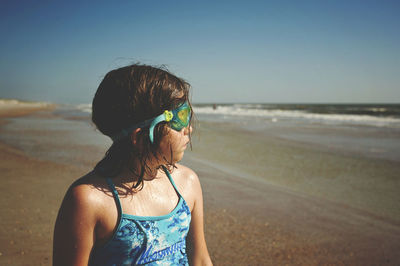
(248, 220)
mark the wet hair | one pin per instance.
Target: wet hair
(125, 97)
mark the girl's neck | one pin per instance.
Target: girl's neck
(130, 175)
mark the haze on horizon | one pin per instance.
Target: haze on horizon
(230, 51)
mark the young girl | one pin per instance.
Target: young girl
(138, 206)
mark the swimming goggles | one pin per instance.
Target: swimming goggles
(177, 118)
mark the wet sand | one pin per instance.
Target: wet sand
(247, 221)
(31, 191)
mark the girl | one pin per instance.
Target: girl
(138, 205)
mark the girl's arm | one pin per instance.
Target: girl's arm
(196, 243)
(74, 230)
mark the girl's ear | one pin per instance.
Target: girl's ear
(134, 136)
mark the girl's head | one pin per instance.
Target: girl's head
(124, 99)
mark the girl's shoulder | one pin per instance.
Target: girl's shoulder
(90, 192)
(87, 212)
(90, 183)
(187, 183)
(184, 173)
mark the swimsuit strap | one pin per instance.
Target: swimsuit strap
(115, 194)
(171, 180)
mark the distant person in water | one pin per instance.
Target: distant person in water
(138, 205)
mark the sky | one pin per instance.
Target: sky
(229, 51)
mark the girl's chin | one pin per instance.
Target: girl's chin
(178, 157)
(175, 159)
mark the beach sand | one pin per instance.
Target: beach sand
(248, 220)
(31, 192)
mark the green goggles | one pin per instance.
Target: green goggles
(178, 119)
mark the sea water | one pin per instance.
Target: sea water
(371, 130)
(365, 129)
(343, 153)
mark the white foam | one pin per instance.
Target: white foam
(275, 114)
(9, 103)
(85, 107)
(377, 110)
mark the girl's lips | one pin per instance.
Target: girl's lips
(185, 146)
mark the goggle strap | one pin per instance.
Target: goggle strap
(156, 120)
(126, 131)
(166, 116)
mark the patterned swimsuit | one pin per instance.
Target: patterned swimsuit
(147, 240)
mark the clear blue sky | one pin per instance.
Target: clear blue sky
(230, 51)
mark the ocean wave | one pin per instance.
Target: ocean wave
(276, 114)
(377, 110)
(17, 103)
(86, 107)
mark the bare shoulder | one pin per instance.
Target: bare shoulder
(185, 177)
(89, 188)
(77, 220)
(186, 174)
(86, 195)
(188, 183)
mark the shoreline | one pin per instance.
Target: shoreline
(14, 108)
(246, 222)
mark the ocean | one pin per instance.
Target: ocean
(380, 115)
(371, 130)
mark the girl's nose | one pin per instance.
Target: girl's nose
(188, 130)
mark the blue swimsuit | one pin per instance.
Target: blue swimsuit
(149, 240)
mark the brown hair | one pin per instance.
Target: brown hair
(125, 97)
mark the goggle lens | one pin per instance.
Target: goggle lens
(181, 117)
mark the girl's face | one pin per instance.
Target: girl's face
(174, 143)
